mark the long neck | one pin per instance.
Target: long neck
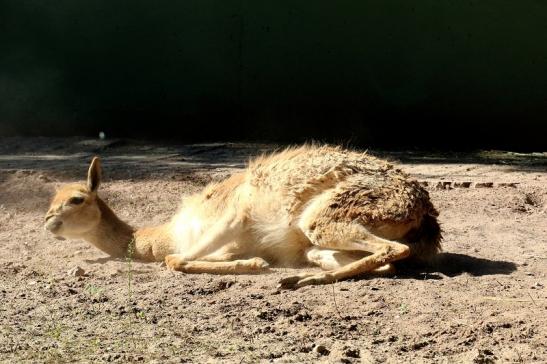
(112, 235)
(118, 239)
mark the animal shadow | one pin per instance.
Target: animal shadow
(453, 264)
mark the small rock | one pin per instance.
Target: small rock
(485, 356)
(321, 350)
(507, 184)
(484, 185)
(44, 178)
(76, 272)
(462, 184)
(302, 317)
(419, 345)
(442, 185)
(538, 285)
(352, 353)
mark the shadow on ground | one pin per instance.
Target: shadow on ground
(453, 264)
(519, 161)
(68, 158)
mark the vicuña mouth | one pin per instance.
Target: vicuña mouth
(53, 225)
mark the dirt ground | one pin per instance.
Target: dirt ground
(483, 301)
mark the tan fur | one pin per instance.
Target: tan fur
(346, 212)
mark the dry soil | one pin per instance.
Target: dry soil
(483, 301)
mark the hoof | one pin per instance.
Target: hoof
(387, 270)
(259, 263)
(302, 280)
(175, 262)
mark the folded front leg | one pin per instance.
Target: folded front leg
(241, 266)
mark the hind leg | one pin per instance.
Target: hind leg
(328, 259)
(383, 252)
(324, 229)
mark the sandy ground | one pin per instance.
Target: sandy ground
(484, 301)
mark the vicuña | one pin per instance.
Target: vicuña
(346, 212)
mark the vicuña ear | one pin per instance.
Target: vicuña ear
(94, 175)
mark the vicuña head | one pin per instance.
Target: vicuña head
(77, 212)
(74, 211)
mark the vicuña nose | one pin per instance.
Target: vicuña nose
(50, 213)
(53, 225)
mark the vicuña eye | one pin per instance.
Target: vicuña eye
(76, 200)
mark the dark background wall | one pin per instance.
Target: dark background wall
(398, 74)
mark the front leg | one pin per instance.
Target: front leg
(221, 234)
(243, 266)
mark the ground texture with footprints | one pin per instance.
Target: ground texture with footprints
(483, 300)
